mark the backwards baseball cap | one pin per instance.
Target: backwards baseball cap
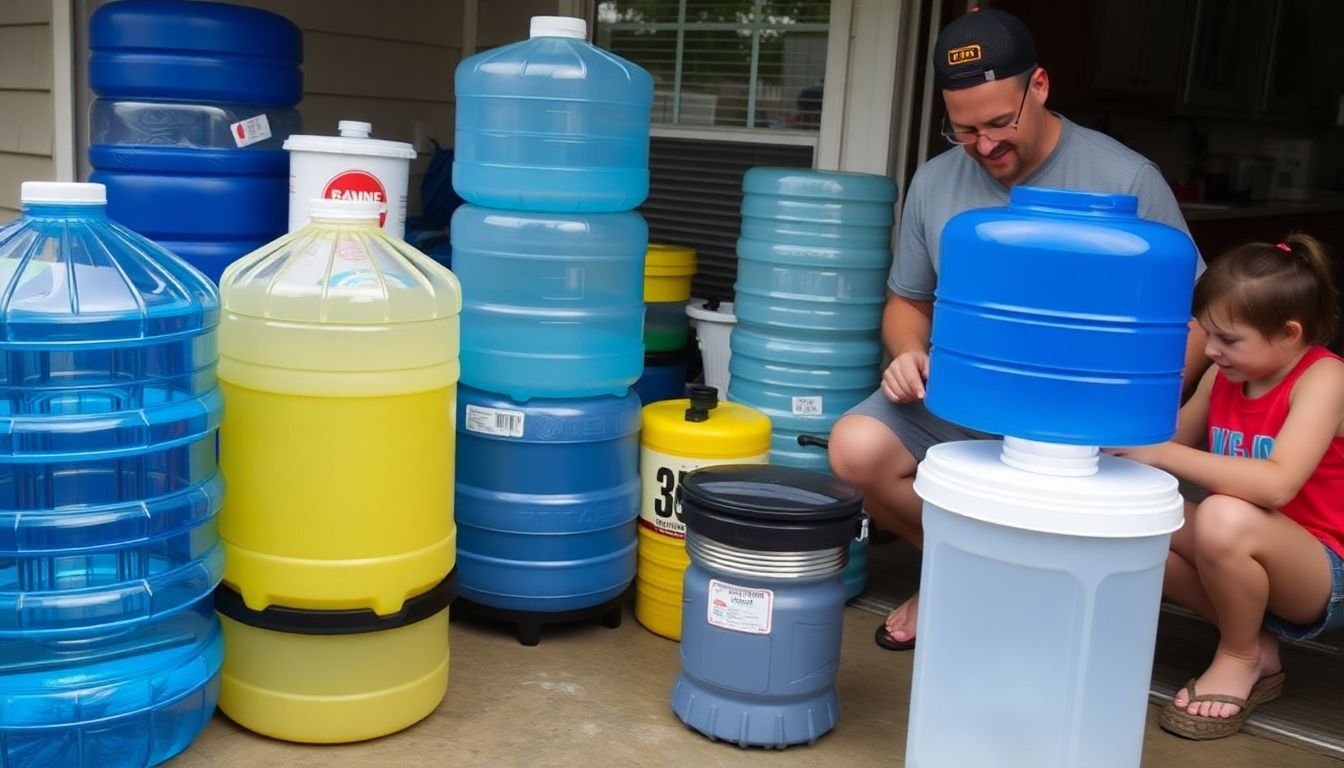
(980, 47)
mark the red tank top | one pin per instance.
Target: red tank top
(1241, 426)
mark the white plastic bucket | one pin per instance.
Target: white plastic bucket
(1040, 588)
(351, 166)
(712, 329)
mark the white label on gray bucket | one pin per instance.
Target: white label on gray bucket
(740, 609)
(807, 406)
(494, 421)
(251, 130)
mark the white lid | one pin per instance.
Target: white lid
(62, 192)
(558, 26)
(344, 210)
(355, 128)
(350, 142)
(1123, 499)
(724, 314)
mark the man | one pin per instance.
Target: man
(985, 65)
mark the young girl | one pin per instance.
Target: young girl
(1263, 556)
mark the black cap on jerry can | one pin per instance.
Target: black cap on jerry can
(703, 400)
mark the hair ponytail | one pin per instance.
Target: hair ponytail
(1268, 285)
(1317, 257)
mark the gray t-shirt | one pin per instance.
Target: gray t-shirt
(954, 182)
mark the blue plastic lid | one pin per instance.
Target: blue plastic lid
(172, 25)
(1074, 201)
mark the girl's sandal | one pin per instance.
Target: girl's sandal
(1182, 723)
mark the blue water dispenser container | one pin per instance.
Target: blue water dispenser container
(109, 489)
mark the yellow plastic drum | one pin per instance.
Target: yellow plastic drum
(328, 677)
(677, 437)
(338, 363)
(668, 270)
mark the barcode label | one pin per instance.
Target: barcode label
(807, 406)
(494, 421)
(251, 130)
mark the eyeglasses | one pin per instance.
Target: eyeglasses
(993, 133)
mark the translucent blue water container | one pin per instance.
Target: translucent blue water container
(547, 500)
(194, 103)
(814, 251)
(1062, 317)
(552, 123)
(552, 303)
(763, 603)
(109, 488)
(1042, 572)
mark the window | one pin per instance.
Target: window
(757, 64)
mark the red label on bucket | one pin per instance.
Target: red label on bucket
(358, 185)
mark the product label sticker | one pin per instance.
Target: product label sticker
(251, 130)
(807, 406)
(358, 185)
(740, 609)
(494, 421)
(660, 474)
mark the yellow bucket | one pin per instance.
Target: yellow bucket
(679, 436)
(668, 270)
(330, 677)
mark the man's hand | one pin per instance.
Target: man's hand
(903, 381)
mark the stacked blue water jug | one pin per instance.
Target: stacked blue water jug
(811, 283)
(109, 646)
(551, 155)
(194, 102)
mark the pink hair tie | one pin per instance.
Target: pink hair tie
(1283, 247)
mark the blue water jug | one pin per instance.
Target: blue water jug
(1062, 317)
(194, 103)
(109, 488)
(763, 602)
(552, 303)
(664, 377)
(547, 496)
(552, 123)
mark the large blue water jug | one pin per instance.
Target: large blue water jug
(552, 303)
(547, 496)
(109, 488)
(1062, 317)
(194, 102)
(552, 123)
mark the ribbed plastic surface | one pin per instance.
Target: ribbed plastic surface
(1062, 317)
(552, 124)
(547, 497)
(194, 101)
(338, 355)
(194, 52)
(108, 492)
(553, 302)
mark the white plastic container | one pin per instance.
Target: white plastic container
(713, 327)
(351, 166)
(1040, 590)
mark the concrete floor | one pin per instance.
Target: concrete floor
(594, 697)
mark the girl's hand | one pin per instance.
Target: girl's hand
(1144, 454)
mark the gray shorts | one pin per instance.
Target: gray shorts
(914, 424)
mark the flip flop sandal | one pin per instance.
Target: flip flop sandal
(885, 641)
(1199, 727)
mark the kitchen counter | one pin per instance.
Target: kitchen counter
(1265, 208)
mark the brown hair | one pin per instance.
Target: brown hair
(1266, 285)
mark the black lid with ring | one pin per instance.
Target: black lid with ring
(299, 621)
(770, 508)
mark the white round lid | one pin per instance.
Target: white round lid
(558, 26)
(344, 210)
(351, 143)
(77, 193)
(1122, 499)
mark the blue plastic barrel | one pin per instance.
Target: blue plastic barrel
(1062, 317)
(552, 303)
(547, 497)
(194, 102)
(552, 123)
(664, 377)
(109, 489)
